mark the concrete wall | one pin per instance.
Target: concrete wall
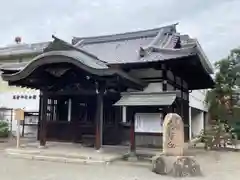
(19, 98)
(197, 111)
(197, 100)
(22, 99)
(197, 121)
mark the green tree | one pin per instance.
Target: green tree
(221, 98)
(222, 104)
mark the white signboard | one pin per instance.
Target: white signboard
(148, 122)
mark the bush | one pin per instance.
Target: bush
(217, 135)
(4, 131)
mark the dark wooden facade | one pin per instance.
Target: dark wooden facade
(170, 82)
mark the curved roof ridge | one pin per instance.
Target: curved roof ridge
(70, 46)
(122, 36)
(204, 59)
(78, 59)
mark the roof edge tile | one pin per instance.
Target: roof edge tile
(123, 36)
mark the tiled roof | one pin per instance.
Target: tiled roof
(167, 55)
(124, 36)
(118, 51)
(136, 47)
(124, 48)
(147, 98)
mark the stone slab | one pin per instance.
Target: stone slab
(82, 155)
(55, 159)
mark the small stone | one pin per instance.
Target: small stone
(158, 166)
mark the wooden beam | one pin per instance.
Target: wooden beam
(73, 92)
(71, 78)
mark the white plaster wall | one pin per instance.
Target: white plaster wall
(7, 101)
(197, 100)
(197, 123)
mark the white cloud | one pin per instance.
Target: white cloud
(217, 28)
(215, 23)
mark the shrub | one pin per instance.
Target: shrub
(4, 130)
(217, 135)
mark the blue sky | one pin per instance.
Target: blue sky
(215, 23)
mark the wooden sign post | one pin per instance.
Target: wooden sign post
(19, 116)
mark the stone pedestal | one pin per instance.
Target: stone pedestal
(132, 157)
(176, 166)
(42, 147)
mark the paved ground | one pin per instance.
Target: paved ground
(215, 165)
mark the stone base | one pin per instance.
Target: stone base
(42, 147)
(176, 166)
(132, 157)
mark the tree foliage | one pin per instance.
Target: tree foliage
(3, 129)
(221, 98)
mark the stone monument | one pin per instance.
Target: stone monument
(173, 161)
(173, 135)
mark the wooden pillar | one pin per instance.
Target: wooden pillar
(182, 101)
(99, 118)
(190, 123)
(23, 127)
(43, 118)
(132, 155)
(132, 136)
(39, 115)
(164, 86)
(164, 77)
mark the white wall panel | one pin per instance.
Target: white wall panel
(148, 122)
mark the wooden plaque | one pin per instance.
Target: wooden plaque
(19, 114)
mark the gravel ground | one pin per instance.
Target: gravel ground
(215, 165)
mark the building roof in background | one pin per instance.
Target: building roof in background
(19, 50)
